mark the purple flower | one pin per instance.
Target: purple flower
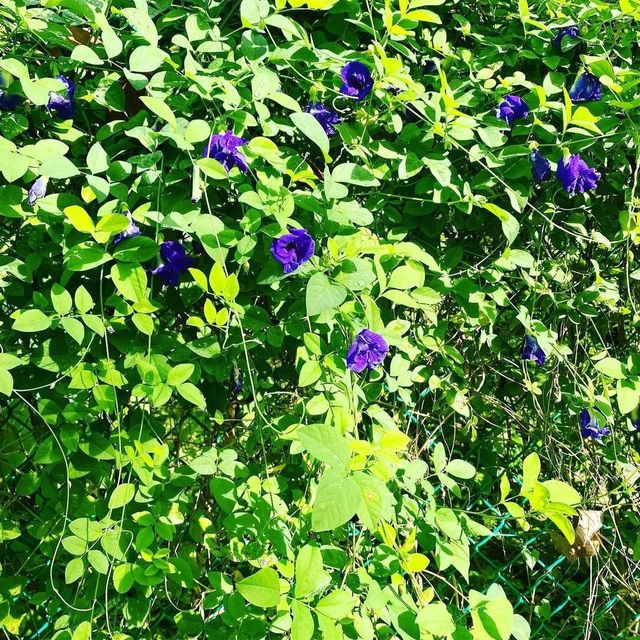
(586, 87)
(38, 190)
(635, 418)
(572, 31)
(174, 263)
(511, 108)
(590, 426)
(531, 350)
(65, 107)
(576, 175)
(293, 249)
(132, 230)
(356, 80)
(223, 147)
(429, 67)
(8, 101)
(324, 116)
(367, 351)
(540, 167)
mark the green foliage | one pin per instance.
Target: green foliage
(196, 459)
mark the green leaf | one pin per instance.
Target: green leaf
(370, 508)
(309, 373)
(206, 463)
(520, 629)
(130, 280)
(82, 53)
(322, 295)
(337, 499)
(262, 589)
(6, 382)
(146, 59)
(85, 256)
(531, 471)
(337, 605)
(310, 127)
(264, 83)
(123, 577)
(252, 12)
(309, 572)
(160, 108)
(434, 618)
(58, 167)
(82, 632)
(564, 524)
(61, 299)
(326, 444)
(74, 570)
(492, 618)
(98, 561)
(303, 626)
(31, 320)
(628, 395)
(97, 159)
(180, 373)
(461, 469)
(122, 495)
(192, 394)
(611, 367)
(350, 173)
(79, 218)
(510, 226)
(562, 492)
(8, 361)
(86, 529)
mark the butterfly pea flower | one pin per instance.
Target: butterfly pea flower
(367, 351)
(132, 230)
(576, 175)
(511, 108)
(540, 167)
(324, 116)
(531, 350)
(223, 147)
(65, 107)
(586, 87)
(38, 190)
(175, 263)
(8, 101)
(590, 426)
(429, 67)
(356, 80)
(293, 249)
(572, 31)
(635, 418)
(236, 380)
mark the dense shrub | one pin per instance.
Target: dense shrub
(303, 300)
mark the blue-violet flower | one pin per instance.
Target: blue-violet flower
(590, 426)
(367, 351)
(586, 87)
(540, 167)
(511, 108)
(356, 80)
(324, 116)
(65, 107)
(293, 249)
(38, 189)
(576, 175)
(531, 350)
(175, 262)
(223, 147)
